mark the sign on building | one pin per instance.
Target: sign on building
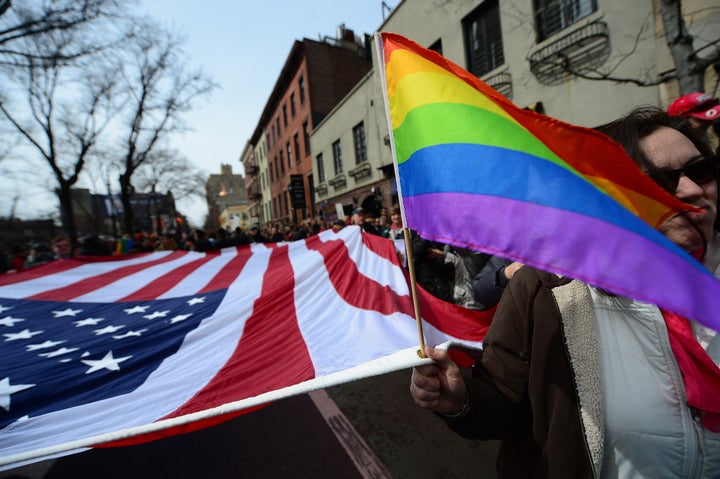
(297, 191)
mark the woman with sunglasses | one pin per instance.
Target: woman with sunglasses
(577, 382)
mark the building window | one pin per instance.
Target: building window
(320, 168)
(273, 136)
(282, 164)
(289, 154)
(285, 115)
(277, 124)
(306, 138)
(551, 16)
(483, 38)
(296, 140)
(292, 104)
(436, 47)
(277, 176)
(301, 89)
(337, 157)
(359, 141)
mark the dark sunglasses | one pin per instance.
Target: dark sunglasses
(700, 171)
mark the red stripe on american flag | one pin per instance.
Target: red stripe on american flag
(273, 321)
(354, 287)
(230, 272)
(381, 246)
(35, 272)
(87, 285)
(179, 429)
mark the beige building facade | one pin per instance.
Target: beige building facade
(525, 53)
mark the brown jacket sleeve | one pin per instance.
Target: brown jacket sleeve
(522, 389)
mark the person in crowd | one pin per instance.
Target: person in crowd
(40, 253)
(255, 236)
(17, 260)
(275, 235)
(577, 382)
(488, 285)
(462, 288)
(383, 226)
(167, 243)
(298, 232)
(703, 113)
(431, 271)
(202, 243)
(384, 213)
(396, 225)
(358, 218)
(338, 225)
(238, 237)
(189, 243)
(94, 246)
(62, 248)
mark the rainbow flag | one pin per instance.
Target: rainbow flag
(475, 171)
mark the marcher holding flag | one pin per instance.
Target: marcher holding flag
(602, 357)
(578, 382)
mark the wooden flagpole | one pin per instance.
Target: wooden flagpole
(413, 287)
(406, 231)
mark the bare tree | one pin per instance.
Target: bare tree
(58, 87)
(75, 21)
(170, 172)
(160, 90)
(64, 114)
(690, 63)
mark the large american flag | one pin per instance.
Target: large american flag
(138, 347)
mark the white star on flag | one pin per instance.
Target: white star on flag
(10, 321)
(130, 334)
(107, 362)
(108, 330)
(6, 390)
(58, 352)
(66, 312)
(180, 317)
(156, 314)
(4, 308)
(195, 301)
(136, 309)
(45, 345)
(24, 334)
(88, 322)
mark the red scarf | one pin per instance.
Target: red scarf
(700, 373)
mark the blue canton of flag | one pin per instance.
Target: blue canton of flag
(57, 355)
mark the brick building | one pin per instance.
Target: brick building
(314, 78)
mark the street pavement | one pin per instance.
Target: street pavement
(363, 429)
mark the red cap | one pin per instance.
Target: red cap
(696, 105)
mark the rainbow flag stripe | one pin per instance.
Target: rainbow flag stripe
(476, 171)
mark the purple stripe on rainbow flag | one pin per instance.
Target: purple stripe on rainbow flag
(582, 254)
